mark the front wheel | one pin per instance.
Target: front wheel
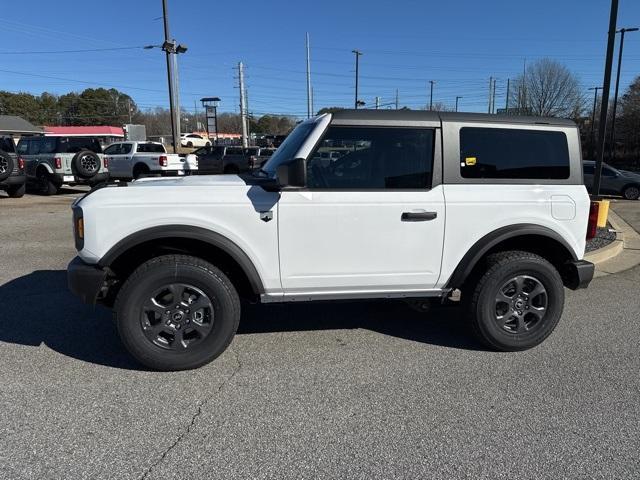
(177, 312)
(631, 193)
(45, 185)
(517, 302)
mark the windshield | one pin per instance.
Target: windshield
(289, 147)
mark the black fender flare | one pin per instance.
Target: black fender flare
(490, 240)
(189, 232)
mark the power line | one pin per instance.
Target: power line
(72, 51)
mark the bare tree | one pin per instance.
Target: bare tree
(549, 89)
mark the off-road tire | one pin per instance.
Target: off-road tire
(176, 269)
(631, 192)
(231, 169)
(86, 164)
(190, 144)
(16, 191)
(482, 297)
(6, 165)
(139, 170)
(45, 185)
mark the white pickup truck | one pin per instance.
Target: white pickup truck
(134, 159)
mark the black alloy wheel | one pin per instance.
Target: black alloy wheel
(177, 316)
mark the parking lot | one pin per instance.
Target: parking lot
(359, 390)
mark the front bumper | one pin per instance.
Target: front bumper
(86, 281)
(578, 274)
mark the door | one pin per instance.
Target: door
(119, 157)
(369, 221)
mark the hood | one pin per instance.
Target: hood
(627, 173)
(191, 181)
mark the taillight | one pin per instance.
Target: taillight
(163, 161)
(105, 160)
(252, 161)
(20, 163)
(58, 161)
(592, 226)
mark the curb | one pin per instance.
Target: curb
(622, 254)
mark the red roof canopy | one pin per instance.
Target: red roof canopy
(98, 130)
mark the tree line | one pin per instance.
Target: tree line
(101, 106)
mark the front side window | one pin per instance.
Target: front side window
(113, 149)
(513, 153)
(372, 158)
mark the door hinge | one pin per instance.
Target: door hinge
(266, 216)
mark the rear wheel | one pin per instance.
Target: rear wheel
(517, 302)
(631, 193)
(190, 144)
(46, 186)
(177, 312)
(231, 169)
(16, 191)
(139, 170)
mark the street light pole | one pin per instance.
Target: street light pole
(457, 98)
(612, 146)
(604, 104)
(357, 54)
(593, 119)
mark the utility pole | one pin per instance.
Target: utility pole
(397, 99)
(592, 140)
(490, 93)
(243, 110)
(172, 106)
(431, 95)
(129, 108)
(457, 98)
(604, 103)
(176, 94)
(312, 107)
(357, 54)
(506, 103)
(377, 103)
(309, 95)
(493, 97)
(612, 144)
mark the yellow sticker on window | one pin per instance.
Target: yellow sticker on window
(470, 161)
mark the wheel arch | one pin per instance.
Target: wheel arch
(132, 251)
(44, 166)
(528, 237)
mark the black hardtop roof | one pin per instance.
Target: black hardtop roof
(428, 116)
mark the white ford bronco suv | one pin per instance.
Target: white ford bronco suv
(417, 205)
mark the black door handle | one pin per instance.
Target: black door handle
(418, 216)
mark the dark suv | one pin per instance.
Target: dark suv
(613, 181)
(53, 161)
(12, 176)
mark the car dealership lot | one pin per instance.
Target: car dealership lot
(351, 390)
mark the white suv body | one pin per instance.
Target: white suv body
(414, 208)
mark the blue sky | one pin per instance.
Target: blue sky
(458, 43)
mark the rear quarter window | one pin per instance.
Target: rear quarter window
(7, 145)
(506, 153)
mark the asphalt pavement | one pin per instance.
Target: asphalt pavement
(351, 390)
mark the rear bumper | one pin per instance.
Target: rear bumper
(97, 178)
(14, 179)
(84, 280)
(578, 274)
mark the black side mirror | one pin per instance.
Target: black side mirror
(292, 174)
